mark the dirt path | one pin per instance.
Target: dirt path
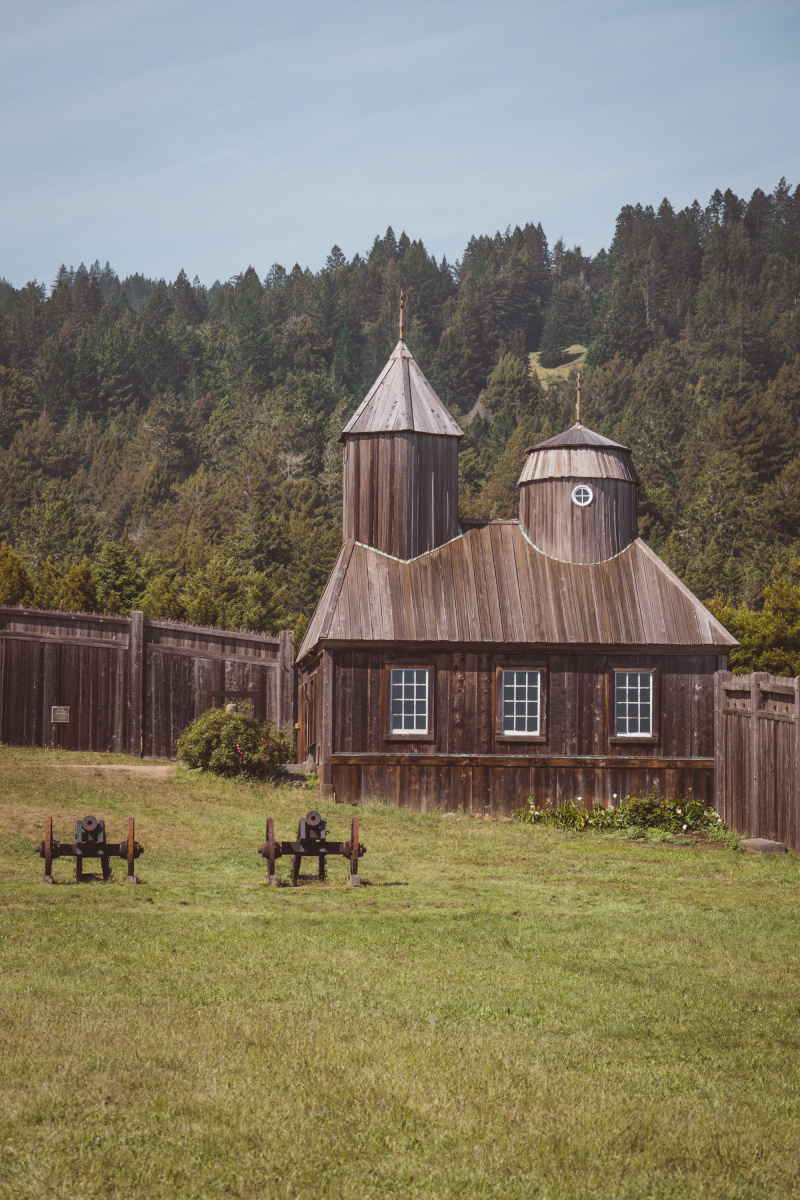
(151, 770)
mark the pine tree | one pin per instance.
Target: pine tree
(47, 586)
(161, 602)
(18, 403)
(15, 583)
(119, 582)
(555, 339)
(78, 592)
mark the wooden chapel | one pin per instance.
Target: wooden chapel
(470, 665)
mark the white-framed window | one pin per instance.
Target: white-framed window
(521, 693)
(408, 702)
(633, 703)
(582, 495)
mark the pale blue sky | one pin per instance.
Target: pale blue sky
(161, 134)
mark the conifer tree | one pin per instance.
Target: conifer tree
(15, 582)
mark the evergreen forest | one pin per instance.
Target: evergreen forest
(173, 446)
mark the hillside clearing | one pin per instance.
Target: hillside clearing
(504, 1011)
(577, 357)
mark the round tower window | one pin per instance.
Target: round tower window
(582, 495)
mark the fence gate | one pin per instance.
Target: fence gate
(757, 747)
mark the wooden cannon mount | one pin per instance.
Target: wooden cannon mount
(90, 842)
(312, 842)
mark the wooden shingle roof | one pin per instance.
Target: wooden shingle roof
(578, 462)
(579, 453)
(491, 584)
(401, 399)
(579, 435)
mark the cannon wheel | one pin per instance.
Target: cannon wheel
(271, 852)
(48, 850)
(131, 851)
(354, 876)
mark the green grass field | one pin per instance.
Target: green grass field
(504, 1011)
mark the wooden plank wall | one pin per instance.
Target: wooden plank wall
(560, 528)
(757, 786)
(131, 685)
(183, 663)
(468, 766)
(51, 659)
(401, 491)
(496, 787)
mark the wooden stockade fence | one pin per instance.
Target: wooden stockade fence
(129, 685)
(757, 747)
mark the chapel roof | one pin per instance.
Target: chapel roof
(492, 584)
(401, 399)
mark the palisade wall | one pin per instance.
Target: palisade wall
(131, 685)
(757, 751)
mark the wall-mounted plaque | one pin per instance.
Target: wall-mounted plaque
(59, 714)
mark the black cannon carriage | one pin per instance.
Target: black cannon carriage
(312, 842)
(90, 842)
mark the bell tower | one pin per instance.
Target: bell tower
(401, 463)
(577, 495)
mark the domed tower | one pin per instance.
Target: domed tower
(401, 463)
(577, 500)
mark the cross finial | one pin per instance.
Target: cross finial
(578, 402)
(401, 314)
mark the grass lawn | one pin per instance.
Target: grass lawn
(504, 1011)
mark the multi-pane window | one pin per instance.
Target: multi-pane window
(409, 700)
(521, 691)
(633, 703)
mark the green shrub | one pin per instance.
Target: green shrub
(648, 812)
(234, 744)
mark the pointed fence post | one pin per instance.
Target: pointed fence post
(286, 716)
(136, 668)
(794, 823)
(720, 799)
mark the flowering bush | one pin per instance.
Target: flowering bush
(640, 812)
(232, 743)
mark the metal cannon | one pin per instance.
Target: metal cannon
(312, 842)
(90, 842)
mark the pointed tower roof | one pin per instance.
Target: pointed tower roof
(402, 399)
(578, 435)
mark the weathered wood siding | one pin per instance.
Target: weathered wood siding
(51, 659)
(469, 766)
(579, 462)
(401, 491)
(757, 783)
(183, 663)
(131, 685)
(563, 530)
